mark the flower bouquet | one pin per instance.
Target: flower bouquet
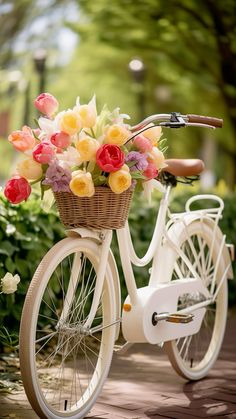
(92, 162)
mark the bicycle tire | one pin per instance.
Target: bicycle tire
(63, 366)
(193, 356)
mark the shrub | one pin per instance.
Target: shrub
(26, 233)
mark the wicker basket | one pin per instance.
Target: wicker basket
(104, 210)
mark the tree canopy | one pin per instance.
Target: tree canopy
(188, 48)
(188, 45)
(16, 19)
(199, 38)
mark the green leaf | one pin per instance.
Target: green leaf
(21, 266)
(131, 163)
(3, 219)
(100, 180)
(7, 248)
(43, 189)
(36, 123)
(48, 231)
(164, 149)
(137, 175)
(35, 136)
(138, 188)
(162, 142)
(10, 265)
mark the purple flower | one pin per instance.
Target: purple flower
(140, 160)
(58, 177)
(133, 184)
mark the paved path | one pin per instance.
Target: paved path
(144, 385)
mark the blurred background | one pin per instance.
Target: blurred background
(140, 55)
(145, 56)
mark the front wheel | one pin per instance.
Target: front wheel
(63, 363)
(193, 356)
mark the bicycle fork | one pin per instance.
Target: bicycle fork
(105, 247)
(105, 242)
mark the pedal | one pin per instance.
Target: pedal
(180, 318)
(172, 318)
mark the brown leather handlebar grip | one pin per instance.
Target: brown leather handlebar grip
(215, 122)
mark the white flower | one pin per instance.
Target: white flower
(48, 127)
(70, 156)
(9, 283)
(117, 117)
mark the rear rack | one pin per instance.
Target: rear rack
(215, 212)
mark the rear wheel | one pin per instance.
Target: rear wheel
(193, 356)
(63, 363)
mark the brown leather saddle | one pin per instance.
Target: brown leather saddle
(184, 167)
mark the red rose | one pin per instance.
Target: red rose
(17, 189)
(110, 158)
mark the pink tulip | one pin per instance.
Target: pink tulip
(151, 171)
(43, 152)
(17, 189)
(61, 139)
(22, 140)
(143, 144)
(46, 104)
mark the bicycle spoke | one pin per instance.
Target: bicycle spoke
(67, 362)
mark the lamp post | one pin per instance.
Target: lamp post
(138, 72)
(40, 57)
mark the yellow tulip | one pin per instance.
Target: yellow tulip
(119, 181)
(81, 184)
(87, 113)
(125, 167)
(157, 157)
(70, 122)
(87, 148)
(29, 169)
(153, 134)
(117, 134)
(88, 116)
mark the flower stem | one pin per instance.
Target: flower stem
(93, 133)
(35, 181)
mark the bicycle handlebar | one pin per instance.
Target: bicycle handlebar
(215, 122)
(176, 120)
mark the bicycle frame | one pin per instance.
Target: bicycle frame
(160, 287)
(62, 333)
(160, 297)
(128, 254)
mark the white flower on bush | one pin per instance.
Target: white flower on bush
(9, 283)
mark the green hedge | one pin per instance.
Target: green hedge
(26, 233)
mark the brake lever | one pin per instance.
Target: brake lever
(176, 121)
(173, 124)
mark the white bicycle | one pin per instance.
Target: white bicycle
(72, 312)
